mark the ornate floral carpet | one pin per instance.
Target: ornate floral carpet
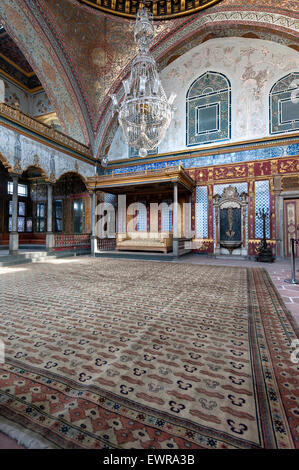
(132, 354)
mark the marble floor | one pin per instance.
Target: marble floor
(279, 271)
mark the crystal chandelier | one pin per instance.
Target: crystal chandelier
(145, 112)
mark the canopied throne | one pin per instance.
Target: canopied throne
(230, 222)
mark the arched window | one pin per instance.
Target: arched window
(208, 110)
(284, 104)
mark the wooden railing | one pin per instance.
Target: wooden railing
(64, 241)
(106, 244)
(44, 130)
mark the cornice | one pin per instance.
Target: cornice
(166, 175)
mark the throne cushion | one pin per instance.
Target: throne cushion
(144, 241)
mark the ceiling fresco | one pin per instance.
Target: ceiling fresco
(99, 46)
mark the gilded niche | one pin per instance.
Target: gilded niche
(230, 218)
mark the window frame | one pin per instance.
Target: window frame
(202, 101)
(278, 95)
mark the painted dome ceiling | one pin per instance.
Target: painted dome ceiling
(161, 9)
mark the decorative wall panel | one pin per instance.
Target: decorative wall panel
(284, 104)
(16, 97)
(222, 159)
(201, 213)
(241, 187)
(262, 201)
(219, 188)
(110, 198)
(41, 104)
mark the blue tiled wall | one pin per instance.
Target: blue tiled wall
(222, 159)
(201, 213)
(262, 201)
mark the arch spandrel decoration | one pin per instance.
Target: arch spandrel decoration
(208, 109)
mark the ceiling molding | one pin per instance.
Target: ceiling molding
(20, 84)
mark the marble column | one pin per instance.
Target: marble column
(93, 238)
(14, 236)
(175, 240)
(50, 234)
(189, 234)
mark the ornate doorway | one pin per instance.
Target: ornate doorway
(291, 224)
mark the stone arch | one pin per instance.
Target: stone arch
(73, 173)
(39, 168)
